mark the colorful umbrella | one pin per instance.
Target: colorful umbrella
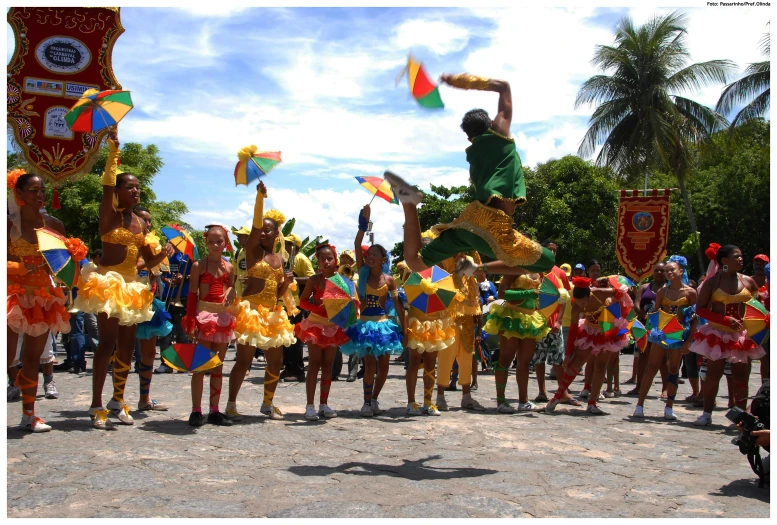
(96, 110)
(181, 240)
(422, 88)
(756, 321)
(54, 250)
(379, 188)
(639, 333)
(667, 323)
(609, 315)
(616, 280)
(191, 357)
(430, 291)
(254, 164)
(338, 301)
(549, 297)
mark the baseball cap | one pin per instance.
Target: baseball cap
(762, 257)
(579, 266)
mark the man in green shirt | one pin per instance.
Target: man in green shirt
(486, 224)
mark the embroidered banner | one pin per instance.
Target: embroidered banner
(59, 54)
(643, 231)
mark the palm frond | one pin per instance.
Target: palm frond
(756, 108)
(701, 120)
(744, 89)
(697, 76)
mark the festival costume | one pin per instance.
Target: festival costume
(316, 328)
(684, 312)
(522, 320)
(590, 334)
(375, 333)
(213, 320)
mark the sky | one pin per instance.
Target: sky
(318, 84)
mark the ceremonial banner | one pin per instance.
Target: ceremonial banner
(643, 231)
(60, 53)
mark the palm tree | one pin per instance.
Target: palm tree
(641, 121)
(754, 86)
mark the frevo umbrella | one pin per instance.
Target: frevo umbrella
(96, 110)
(253, 164)
(430, 291)
(181, 240)
(338, 301)
(63, 264)
(190, 357)
(379, 188)
(756, 321)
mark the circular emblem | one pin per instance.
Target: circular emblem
(643, 221)
(63, 54)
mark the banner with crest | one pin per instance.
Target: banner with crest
(643, 231)
(60, 52)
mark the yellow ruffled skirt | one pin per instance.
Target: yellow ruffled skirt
(431, 335)
(262, 327)
(104, 291)
(509, 322)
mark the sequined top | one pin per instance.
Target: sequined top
(133, 242)
(732, 301)
(29, 254)
(592, 318)
(674, 306)
(372, 297)
(273, 277)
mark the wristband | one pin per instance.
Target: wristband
(363, 223)
(485, 266)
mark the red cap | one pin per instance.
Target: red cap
(581, 282)
(762, 257)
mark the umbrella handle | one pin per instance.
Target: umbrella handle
(372, 199)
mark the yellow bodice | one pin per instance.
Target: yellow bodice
(273, 277)
(133, 242)
(29, 254)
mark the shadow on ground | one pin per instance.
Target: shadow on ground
(747, 488)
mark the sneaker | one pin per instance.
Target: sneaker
(50, 390)
(261, 359)
(275, 412)
(100, 419)
(217, 418)
(350, 379)
(34, 424)
(703, 420)
(669, 414)
(505, 408)
(441, 404)
(607, 394)
(431, 410)
(152, 405)
(366, 410)
(601, 397)
(405, 193)
(541, 398)
(164, 369)
(471, 404)
(360, 374)
(639, 412)
(121, 411)
(310, 413)
(376, 407)
(473, 387)
(618, 393)
(551, 406)
(413, 409)
(585, 393)
(232, 412)
(595, 410)
(326, 412)
(14, 393)
(196, 419)
(526, 407)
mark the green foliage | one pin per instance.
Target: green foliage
(752, 90)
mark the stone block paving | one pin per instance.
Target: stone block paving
(461, 464)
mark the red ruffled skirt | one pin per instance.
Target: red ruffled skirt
(716, 344)
(598, 341)
(320, 334)
(214, 323)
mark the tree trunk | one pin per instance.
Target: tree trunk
(691, 218)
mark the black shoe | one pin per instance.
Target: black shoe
(196, 419)
(294, 379)
(336, 378)
(350, 379)
(63, 366)
(360, 374)
(77, 369)
(217, 418)
(451, 388)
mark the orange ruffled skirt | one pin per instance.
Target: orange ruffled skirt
(36, 310)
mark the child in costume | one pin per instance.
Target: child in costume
(322, 336)
(261, 321)
(207, 314)
(160, 324)
(35, 306)
(677, 299)
(375, 336)
(486, 224)
(112, 290)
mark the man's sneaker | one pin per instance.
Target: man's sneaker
(413, 409)
(164, 369)
(466, 266)
(550, 407)
(232, 412)
(639, 412)
(14, 393)
(121, 411)
(33, 424)
(326, 412)
(196, 419)
(595, 410)
(471, 404)
(152, 405)
(505, 408)
(376, 410)
(310, 413)
(431, 410)
(441, 404)
(585, 393)
(607, 394)
(217, 418)
(366, 410)
(669, 414)
(526, 407)
(703, 420)
(100, 419)
(50, 390)
(405, 193)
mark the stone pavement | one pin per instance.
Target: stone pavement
(460, 464)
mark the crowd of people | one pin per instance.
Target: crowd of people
(269, 301)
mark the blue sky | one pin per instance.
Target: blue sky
(318, 85)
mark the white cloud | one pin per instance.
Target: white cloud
(439, 36)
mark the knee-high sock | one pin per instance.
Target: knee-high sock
(269, 378)
(326, 385)
(430, 390)
(29, 389)
(120, 371)
(367, 387)
(500, 377)
(215, 392)
(565, 381)
(145, 373)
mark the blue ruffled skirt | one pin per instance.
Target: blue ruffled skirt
(159, 325)
(375, 338)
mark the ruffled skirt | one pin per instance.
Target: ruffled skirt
(319, 334)
(430, 336)
(129, 302)
(589, 337)
(715, 344)
(215, 323)
(35, 311)
(262, 327)
(159, 325)
(508, 322)
(375, 338)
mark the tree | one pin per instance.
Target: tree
(641, 121)
(753, 87)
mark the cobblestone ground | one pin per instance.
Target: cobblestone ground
(461, 464)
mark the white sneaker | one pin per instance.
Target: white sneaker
(376, 407)
(703, 420)
(526, 407)
(595, 410)
(310, 413)
(50, 390)
(121, 411)
(669, 414)
(275, 412)
(607, 394)
(471, 404)
(441, 404)
(100, 419)
(601, 397)
(34, 424)
(639, 412)
(584, 393)
(505, 408)
(431, 410)
(404, 192)
(232, 413)
(551, 406)
(366, 410)
(325, 411)
(413, 409)
(265, 409)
